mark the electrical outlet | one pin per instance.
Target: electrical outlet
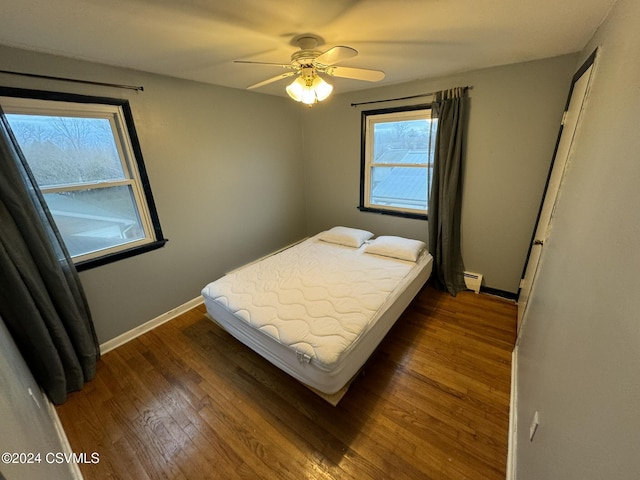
(535, 422)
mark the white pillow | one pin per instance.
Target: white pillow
(396, 247)
(351, 237)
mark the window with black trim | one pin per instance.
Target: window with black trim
(397, 160)
(84, 154)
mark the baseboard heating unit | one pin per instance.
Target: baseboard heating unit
(473, 281)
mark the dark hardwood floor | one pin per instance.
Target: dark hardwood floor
(187, 401)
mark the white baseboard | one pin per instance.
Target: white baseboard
(513, 417)
(150, 325)
(74, 469)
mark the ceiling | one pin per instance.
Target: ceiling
(200, 39)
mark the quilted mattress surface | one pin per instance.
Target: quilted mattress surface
(316, 298)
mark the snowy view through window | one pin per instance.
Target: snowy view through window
(77, 165)
(401, 164)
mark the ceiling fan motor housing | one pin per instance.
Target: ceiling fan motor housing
(305, 57)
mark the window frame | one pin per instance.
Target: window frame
(118, 112)
(366, 164)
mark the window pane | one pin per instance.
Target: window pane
(95, 219)
(397, 160)
(401, 141)
(402, 187)
(67, 150)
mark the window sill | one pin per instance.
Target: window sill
(114, 257)
(415, 216)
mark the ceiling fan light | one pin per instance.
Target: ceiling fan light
(309, 89)
(309, 96)
(322, 88)
(296, 89)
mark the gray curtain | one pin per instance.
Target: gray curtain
(41, 299)
(445, 199)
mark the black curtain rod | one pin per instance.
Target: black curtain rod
(400, 98)
(88, 82)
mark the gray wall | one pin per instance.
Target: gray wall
(226, 175)
(237, 174)
(515, 114)
(579, 354)
(26, 424)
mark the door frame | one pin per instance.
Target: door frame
(588, 63)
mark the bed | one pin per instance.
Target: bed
(318, 309)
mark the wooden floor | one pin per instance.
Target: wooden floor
(187, 401)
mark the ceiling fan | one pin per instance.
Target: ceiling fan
(308, 63)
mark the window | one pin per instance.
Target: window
(84, 155)
(397, 152)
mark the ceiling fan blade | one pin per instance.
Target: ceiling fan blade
(356, 73)
(335, 55)
(282, 65)
(271, 80)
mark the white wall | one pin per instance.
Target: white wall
(515, 113)
(579, 355)
(226, 175)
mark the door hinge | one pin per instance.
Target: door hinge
(564, 117)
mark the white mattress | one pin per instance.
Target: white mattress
(316, 310)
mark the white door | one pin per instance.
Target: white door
(570, 121)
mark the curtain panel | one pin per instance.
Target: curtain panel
(445, 201)
(42, 301)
